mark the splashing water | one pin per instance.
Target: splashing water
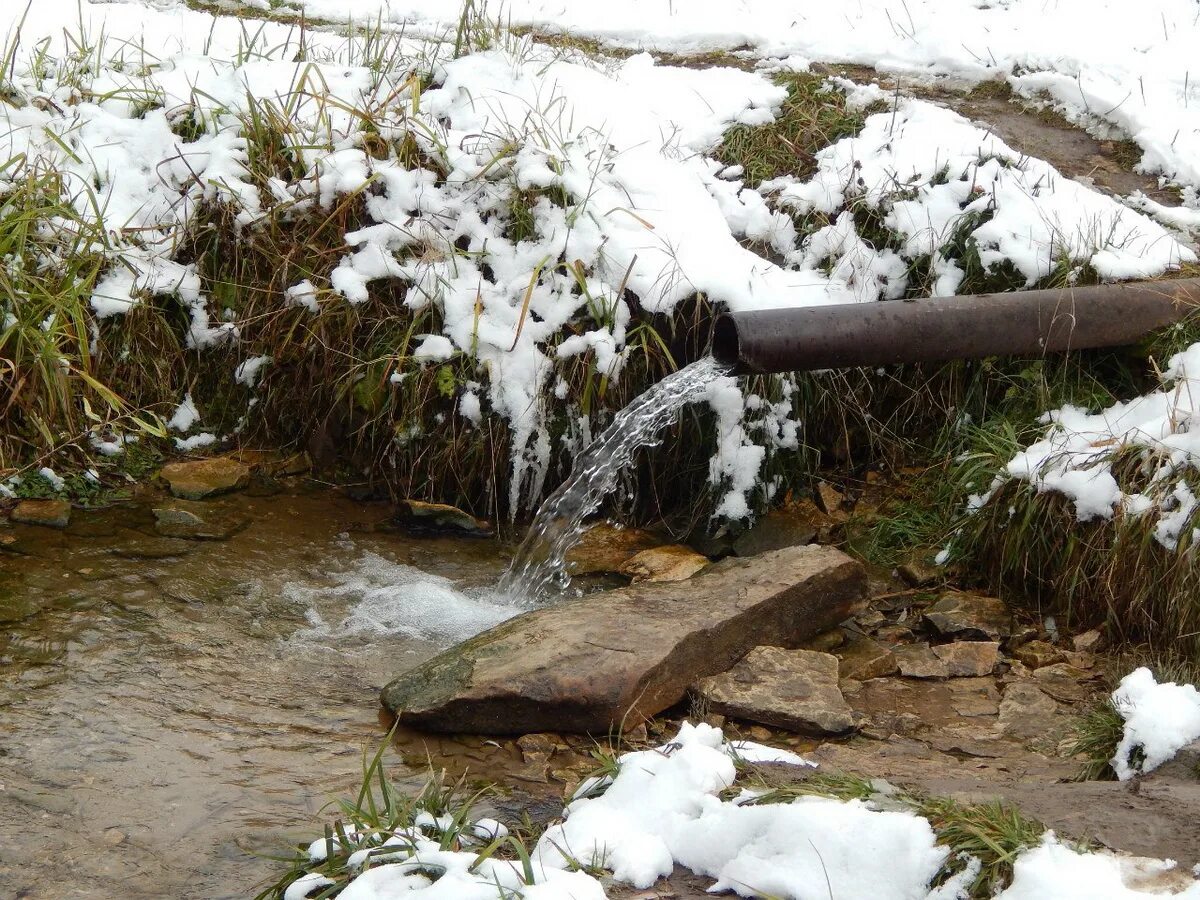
(540, 565)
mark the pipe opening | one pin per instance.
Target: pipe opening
(726, 346)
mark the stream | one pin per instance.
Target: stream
(170, 710)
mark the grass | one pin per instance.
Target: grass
(813, 116)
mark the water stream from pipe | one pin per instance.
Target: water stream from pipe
(539, 568)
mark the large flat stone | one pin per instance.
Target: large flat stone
(199, 478)
(792, 689)
(604, 660)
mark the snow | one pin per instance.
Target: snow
(627, 142)
(1160, 719)
(249, 370)
(185, 416)
(52, 478)
(663, 810)
(1074, 457)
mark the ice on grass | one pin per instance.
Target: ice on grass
(1160, 719)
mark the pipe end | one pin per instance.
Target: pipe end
(726, 345)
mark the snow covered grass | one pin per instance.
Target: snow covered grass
(782, 831)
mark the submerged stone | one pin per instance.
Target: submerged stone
(199, 478)
(48, 513)
(417, 515)
(609, 660)
(792, 689)
(184, 519)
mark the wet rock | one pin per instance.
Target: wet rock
(1026, 712)
(47, 513)
(184, 519)
(296, 464)
(920, 661)
(438, 518)
(969, 659)
(862, 659)
(894, 634)
(200, 478)
(1036, 654)
(673, 562)
(796, 690)
(1185, 764)
(969, 617)
(139, 546)
(605, 547)
(591, 663)
(791, 526)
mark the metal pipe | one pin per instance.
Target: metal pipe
(1022, 323)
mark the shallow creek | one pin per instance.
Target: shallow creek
(170, 710)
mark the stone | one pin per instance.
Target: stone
(47, 513)
(970, 617)
(1027, 713)
(673, 562)
(138, 546)
(969, 659)
(197, 521)
(199, 478)
(831, 501)
(919, 661)
(587, 664)
(419, 516)
(1185, 764)
(793, 525)
(1065, 682)
(1089, 642)
(894, 634)
(605, 547)
(827, 641)
(862, 659)
(1036, 654)
(918, 572)
(974, 697)
(796, 690)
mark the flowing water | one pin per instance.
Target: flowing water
(539, 568)
(169, 709)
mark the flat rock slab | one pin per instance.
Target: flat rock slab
(673, 562)
(200, 478)
(186, 519)
(969, 617)
(595, 663)
(48, 513)
(792, 689)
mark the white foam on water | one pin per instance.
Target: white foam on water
(375, 597)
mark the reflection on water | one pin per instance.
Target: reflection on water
(168, 708)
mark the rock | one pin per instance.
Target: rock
(919, 661)
(862, 659)
(437, 518)
(969, 617)
(673, 562)
(590, 663)
(1026, 712)
(1065, 682)
(47, 513)
(137, 546)
(827, 641)
(794, 525)
(605, 547)
(969, 742)
(831, 501)
(200, 478)
(1088, 642)
(918, 572)
(969, 659)
(796, 690)
(296, 464)
(1036, 654)
(185, 519)
(1185, 764)
(894, 634)
(974, 697)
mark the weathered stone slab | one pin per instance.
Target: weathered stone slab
(969, 659)
(599, 661)
(186, 519)
(48, 513)
(969, 617)
(792, 689)
(673, 562)
(200, 478)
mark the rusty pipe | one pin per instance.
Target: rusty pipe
(1023, 323)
